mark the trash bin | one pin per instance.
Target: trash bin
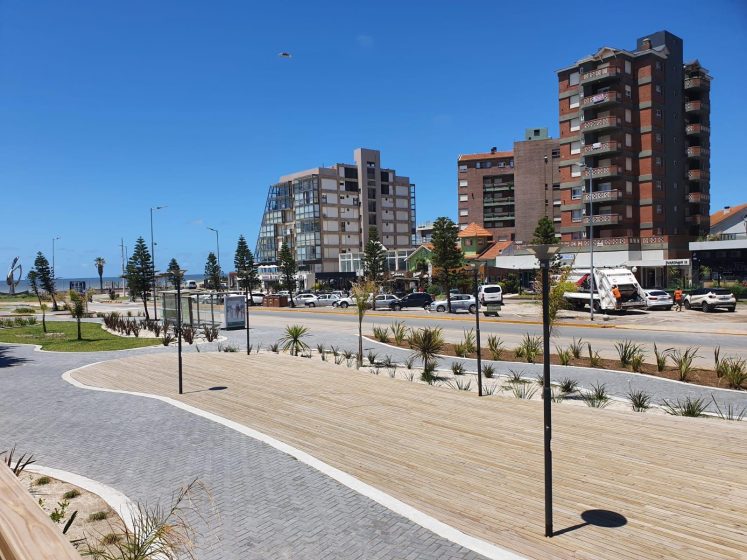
(492, 309)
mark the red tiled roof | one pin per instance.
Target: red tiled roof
(494, 250)
(488, 155)
(475, 230)
(723, 213)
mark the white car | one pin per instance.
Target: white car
(323, 300)
(309, 300)
(458, 301)
(490, 293)
(258, 298)
(709, 299)
(379, 301)
(658, 299)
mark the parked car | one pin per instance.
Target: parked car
(190, 285)
(709, 299)
(309, 300)
(658, 299)
(324, 300)
(379, 301)
(458, 302)
(490, 293)
(415, 299)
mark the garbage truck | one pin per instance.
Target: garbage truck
(632, 295)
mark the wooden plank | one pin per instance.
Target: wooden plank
(476, 464)
(26, 532)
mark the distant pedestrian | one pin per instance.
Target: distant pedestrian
(678, 299)
(617, 295)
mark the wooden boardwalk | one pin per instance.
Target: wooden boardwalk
(476, 463)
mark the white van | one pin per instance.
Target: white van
(190, 284)
(490, 293)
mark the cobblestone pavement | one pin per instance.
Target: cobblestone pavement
(265, 504)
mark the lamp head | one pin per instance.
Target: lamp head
(544, 253)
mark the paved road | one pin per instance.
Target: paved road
(266, 505)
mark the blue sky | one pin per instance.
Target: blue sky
(109, 108)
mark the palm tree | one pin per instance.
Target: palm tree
(100, 262)
(292, 340)
(427, 343)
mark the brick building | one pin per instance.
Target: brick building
(508, 192)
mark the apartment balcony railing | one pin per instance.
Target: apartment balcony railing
(695, 106)
(608, 73)
(696, 83)
(697, 197)
(602, 196)
(495, 215)
(695, 219)
(604, 171)
(697, 151)
(601, 99)
(695, 129)
(498, 188)
(697, 175)
(601, 219)
(498, 201)
(598, 148)
(600, 124)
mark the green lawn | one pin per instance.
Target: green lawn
(62, 337)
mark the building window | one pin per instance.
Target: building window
(675, 185)
(555, 153)
(573, 79)
(628, 115)
(462, 168)
(628, 164)
(577, 192)
(574, 101)
(628, 211)
(575, 170)
(657, 160)
(658, 185)
(577, 215)
(628, 68)
(464, 212)
(463, 183)
(629, 187)
(658, 113)
(576, 147)
(628, 139)
(628, 92)
(657, 88)
(658, 138)
(483, 164)
(575, 124)
(463, 198)
(659, 209)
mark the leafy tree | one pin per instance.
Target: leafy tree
(374, 256)
(288, 270)
(174, 273)
(100, 262)
(34, 283)
(446, 257)
(212, 271)
(140, 273)
(544, 233)
(360, 292)
(77, 308)
(45, 277)
(246, 268)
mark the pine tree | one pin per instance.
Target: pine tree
(446, 257)
(212, 271)
(140, 274)
(174, 273)
(544, 233)
(374, 256)
(246, 269)
(45, 277)
(288, 270)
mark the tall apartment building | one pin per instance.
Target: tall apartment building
(324, 212)
(639, 122)
(508, 192)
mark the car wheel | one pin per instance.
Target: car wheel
(732, 309)
(440, 309)
(344, 305)
(597, 307)
(706, 308)
(311, 304)
(668, 308)
(687, 304)
(472, 308)
(397, 307)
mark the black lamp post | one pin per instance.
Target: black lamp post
(180, 275)
(545, 254)
(246, 310)
(477, 330)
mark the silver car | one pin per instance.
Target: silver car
(709, 299)
(325, 300)
(658, 299)
(459, 302)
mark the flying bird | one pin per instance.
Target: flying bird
(285, 55)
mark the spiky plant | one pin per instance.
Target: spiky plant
(496, 347)
(729, 412)
(691, 407)
(399, 332)
(564, 355)
(292, 341)
(596, 397)
(457, 368)
(661, 357)
(576, 347)
(594, 359)
(683, 361)
(427, 343)
(381, 334)
(640, 401)
(568, 385)
(626, 350)
(488, 370)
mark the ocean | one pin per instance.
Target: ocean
(63, 284)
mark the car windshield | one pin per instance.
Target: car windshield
(492, 289)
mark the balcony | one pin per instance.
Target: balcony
(697, 197)
(601, 99)
(599, 148)
(602, 196)
(600, 124)
(694, 84)
(695, 106)
(498, 201)
(695, 219)
(498, 215)
(696, 129)
(698, 175)
(697, 151)
(602, 220)
(605, 171)
(600, 74)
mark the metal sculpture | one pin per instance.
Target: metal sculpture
(15, 266)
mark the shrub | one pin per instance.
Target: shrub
(594, 358)
(98, 516)
(683, 361)
(71, 494)
(626, 350)
(167, 338)
(734, 370)
(460, 384)
(568, 385)
(210, 333)
(135, 328)
(399, 332)
(292, 340)
(371, 356)
(381, 334)
(428, 375)
(427, 343)
(42, 481)
(639, 400)
(661, 357)
(469, 341)
(689, 407)
(530, 348)
(24, 310)
(460, 350)
(227, 348)
(188, 334)
(523, 390)
(110, 539)
(564, 355)
(489, 389)
(516, 376)
(596, 397)
(20, 464)
(729, 412)
(636, 362)
(576, 347)
(457, 368)
(488, 370)
(409, 362)
(275, 347)
(496, 347)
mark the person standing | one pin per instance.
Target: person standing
(617, 295)
(678, 298)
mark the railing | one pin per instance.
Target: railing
(605, 171)
(694, 106)
(697, 175)
(602, 196)
(601, 148)
(498, 201)
(604, 122)
(619, 241)
(600, 74)
(696, 83)
(697, 197)
(26, 532)
(602, 219)
(694, 219)
(696, 151)
(696, 129)
(601, 99)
